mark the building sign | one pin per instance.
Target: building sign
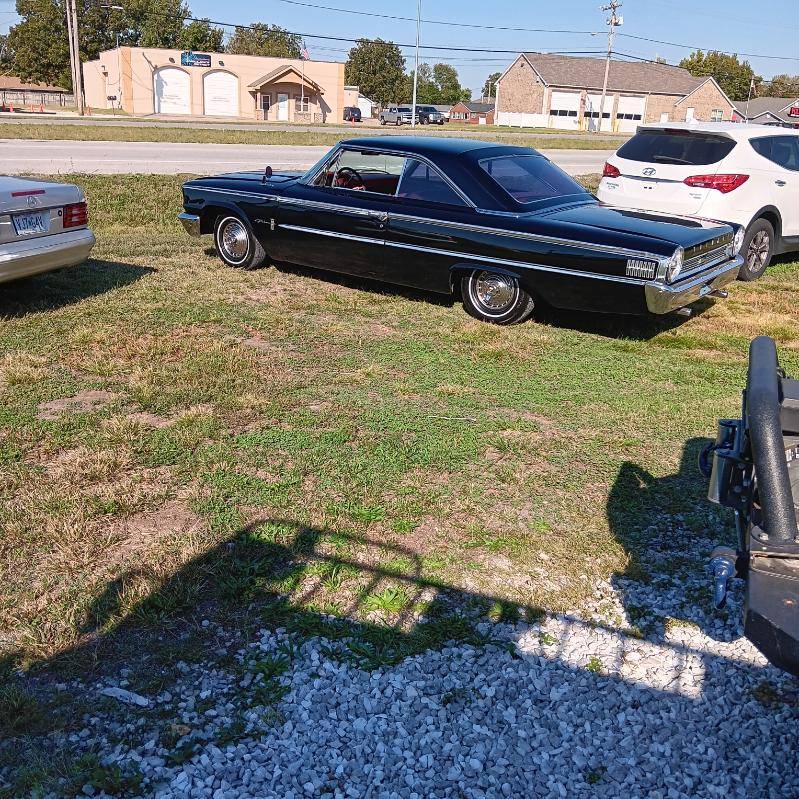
(793, 111)
(190, 59)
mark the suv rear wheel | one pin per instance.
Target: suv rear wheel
(757, 249)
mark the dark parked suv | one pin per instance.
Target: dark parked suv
(429, 116)
(352, 113)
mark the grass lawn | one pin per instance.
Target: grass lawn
(320, 137)
(182, 441)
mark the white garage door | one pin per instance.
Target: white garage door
(171, 87)
(564, 110)
(220, 94)
(592, 104)
(630, 114)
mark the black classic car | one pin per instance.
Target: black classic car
(501, 226)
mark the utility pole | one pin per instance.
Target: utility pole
(613, 6)
(416, 68)
(74, 54)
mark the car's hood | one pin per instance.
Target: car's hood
(619, 224)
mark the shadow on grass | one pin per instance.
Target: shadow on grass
(275, 573)
(665, 525)
(52, 290)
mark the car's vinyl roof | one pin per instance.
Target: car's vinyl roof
(428, 145)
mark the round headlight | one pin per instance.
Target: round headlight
(738, 240)
(674, 265)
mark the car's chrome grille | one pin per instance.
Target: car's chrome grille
(699, 262)
(638, 267)
(708, 252)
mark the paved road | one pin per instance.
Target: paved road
(54, 157)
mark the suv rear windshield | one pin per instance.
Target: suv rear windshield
(530, 178)
(682, 147)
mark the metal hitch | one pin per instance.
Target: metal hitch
(722, 561)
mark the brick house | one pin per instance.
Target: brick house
(554, 91)
(780, 111)
(473, 113)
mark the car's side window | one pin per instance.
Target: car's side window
(780, 150)
(363, 171)
(420, 181)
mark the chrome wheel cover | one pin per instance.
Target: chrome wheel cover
(233, 240)
(493, 294)
(757, 254)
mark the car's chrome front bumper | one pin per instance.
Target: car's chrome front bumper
(666, 297)
(190, 222)
(43, 254)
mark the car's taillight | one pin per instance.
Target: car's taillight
(723, 183)
(610, 171)
(75, 215)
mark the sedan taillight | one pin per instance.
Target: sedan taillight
(610, 171)
(75, 215)
(723, 183)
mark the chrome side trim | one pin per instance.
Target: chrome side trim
(323, 206)
(470, 256)
(518, 234)
(236, 192)
(622, 252)
(333, 234)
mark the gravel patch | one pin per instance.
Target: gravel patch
(578, 705)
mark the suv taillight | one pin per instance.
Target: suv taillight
(723, 183)
(610, 171)
(75, 215)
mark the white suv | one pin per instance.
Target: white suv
(748, 174)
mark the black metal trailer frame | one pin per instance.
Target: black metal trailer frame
(754, 460)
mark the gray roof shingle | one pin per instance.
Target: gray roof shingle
(625, 76)
(766, 105)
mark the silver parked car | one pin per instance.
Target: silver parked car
(398, 115)
(43, 226)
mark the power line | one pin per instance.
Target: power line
(434, 21)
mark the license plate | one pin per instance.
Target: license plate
(28, 224)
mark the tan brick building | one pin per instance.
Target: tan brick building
(144, 80)
(565, 92)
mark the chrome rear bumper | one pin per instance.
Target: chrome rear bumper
(45, 253)
(190, 222)
(666, 297)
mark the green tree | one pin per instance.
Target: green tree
(426, 90)
(378, 67)
(732, 75)
(38, 44)
(780, 86)
(490, 86)
(449, 86)
(266, 40)
(39, 50)
(199, 34)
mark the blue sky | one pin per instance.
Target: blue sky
(770, 27)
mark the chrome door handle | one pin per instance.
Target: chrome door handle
(780, 182)
(381, 217)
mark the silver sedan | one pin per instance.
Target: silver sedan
(43, 226)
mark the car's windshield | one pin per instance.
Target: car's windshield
(530, 178)
(404, 110)
(682, 147)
